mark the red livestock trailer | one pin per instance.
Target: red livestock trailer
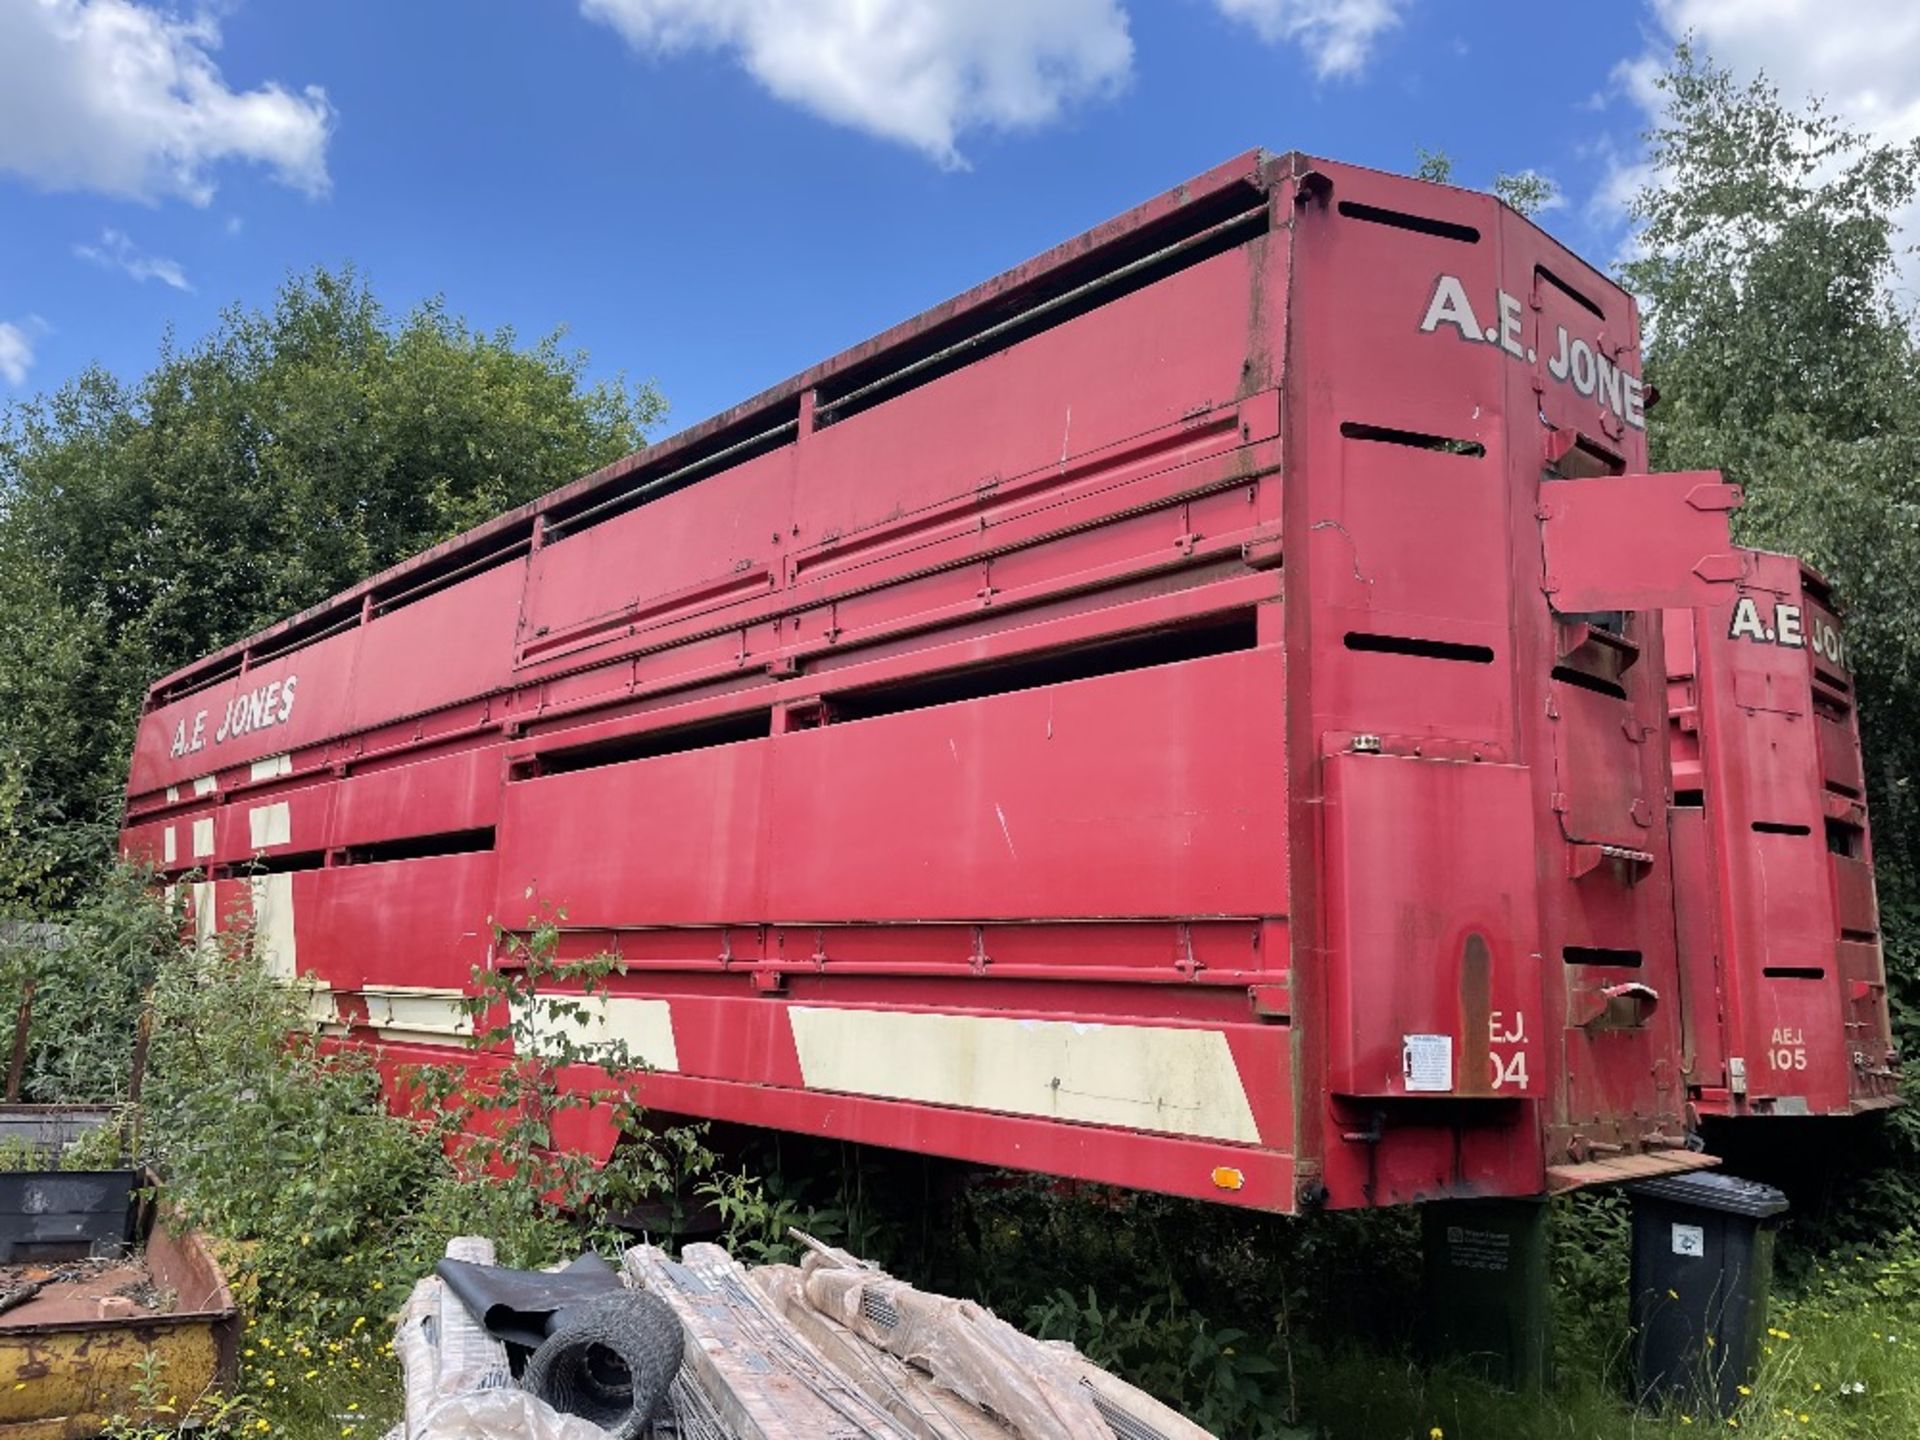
(1187, 713)
(1783, 980)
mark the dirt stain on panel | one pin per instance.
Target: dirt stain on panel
(1476, 989)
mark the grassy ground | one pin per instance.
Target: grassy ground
(305, 1387)
(1828, 1372)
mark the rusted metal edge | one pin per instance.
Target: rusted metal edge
(1618, 1168)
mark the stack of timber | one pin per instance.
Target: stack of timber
(837, 1348)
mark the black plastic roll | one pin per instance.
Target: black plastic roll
(609, 1360)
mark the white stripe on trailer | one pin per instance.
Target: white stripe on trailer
(644, 1027)
(273, 924)
(1142, 1077)
(203, 837)
(205, 922)
(271, 767)
(270, 824)
(417, 1014)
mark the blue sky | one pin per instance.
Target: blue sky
(716, 193)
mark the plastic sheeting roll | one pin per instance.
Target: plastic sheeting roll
(609, 1361)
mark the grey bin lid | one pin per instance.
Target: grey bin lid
(1710, 1191)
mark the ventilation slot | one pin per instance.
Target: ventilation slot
(344, 612)
(1840, 788)
(1689, 799)
(1844, 839)
(1420, 649)
(1401, 220)
(1780, 827)
(682, 465)
(1601, 955)
(1581, 680)
(1413, 439)
(1199, 233)
(652, 744)
(298, 637)
(1541, 273)
(430, 580)
(1137, 652)
(1793, 972)
(192, 684)
(422, 847)
(1860, 937)
(273, 865)
(1586, 459)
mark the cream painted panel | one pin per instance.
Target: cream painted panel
(644, 1026)
(205, 920)
(271, 767)
(1183, 1082)
(273, 924)
(270, 824)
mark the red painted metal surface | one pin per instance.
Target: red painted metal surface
(1780, 933)
(1117, 724)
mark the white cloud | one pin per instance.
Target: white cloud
(116, 252)
(1858, 57)
(16, 353)
(921, 72)
(1623, 175)
(1338, 35)
(115, 96)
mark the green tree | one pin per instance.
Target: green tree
(1434, 165)
(290, 453)
(1783, 358)
(1526, 191)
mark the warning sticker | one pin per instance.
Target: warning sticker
(1469, 1249)
(1689, 1240)
(1426, 1062)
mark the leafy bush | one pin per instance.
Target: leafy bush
(325, 1203)
(274, 1144)
(287, 1147)
(91, 973)
(291, 452)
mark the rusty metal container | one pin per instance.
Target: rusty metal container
(145, 1339)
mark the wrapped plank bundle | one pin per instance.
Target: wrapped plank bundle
(762, 1380)
(1040, 1390)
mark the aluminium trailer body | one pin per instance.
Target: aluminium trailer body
(1186, 713)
